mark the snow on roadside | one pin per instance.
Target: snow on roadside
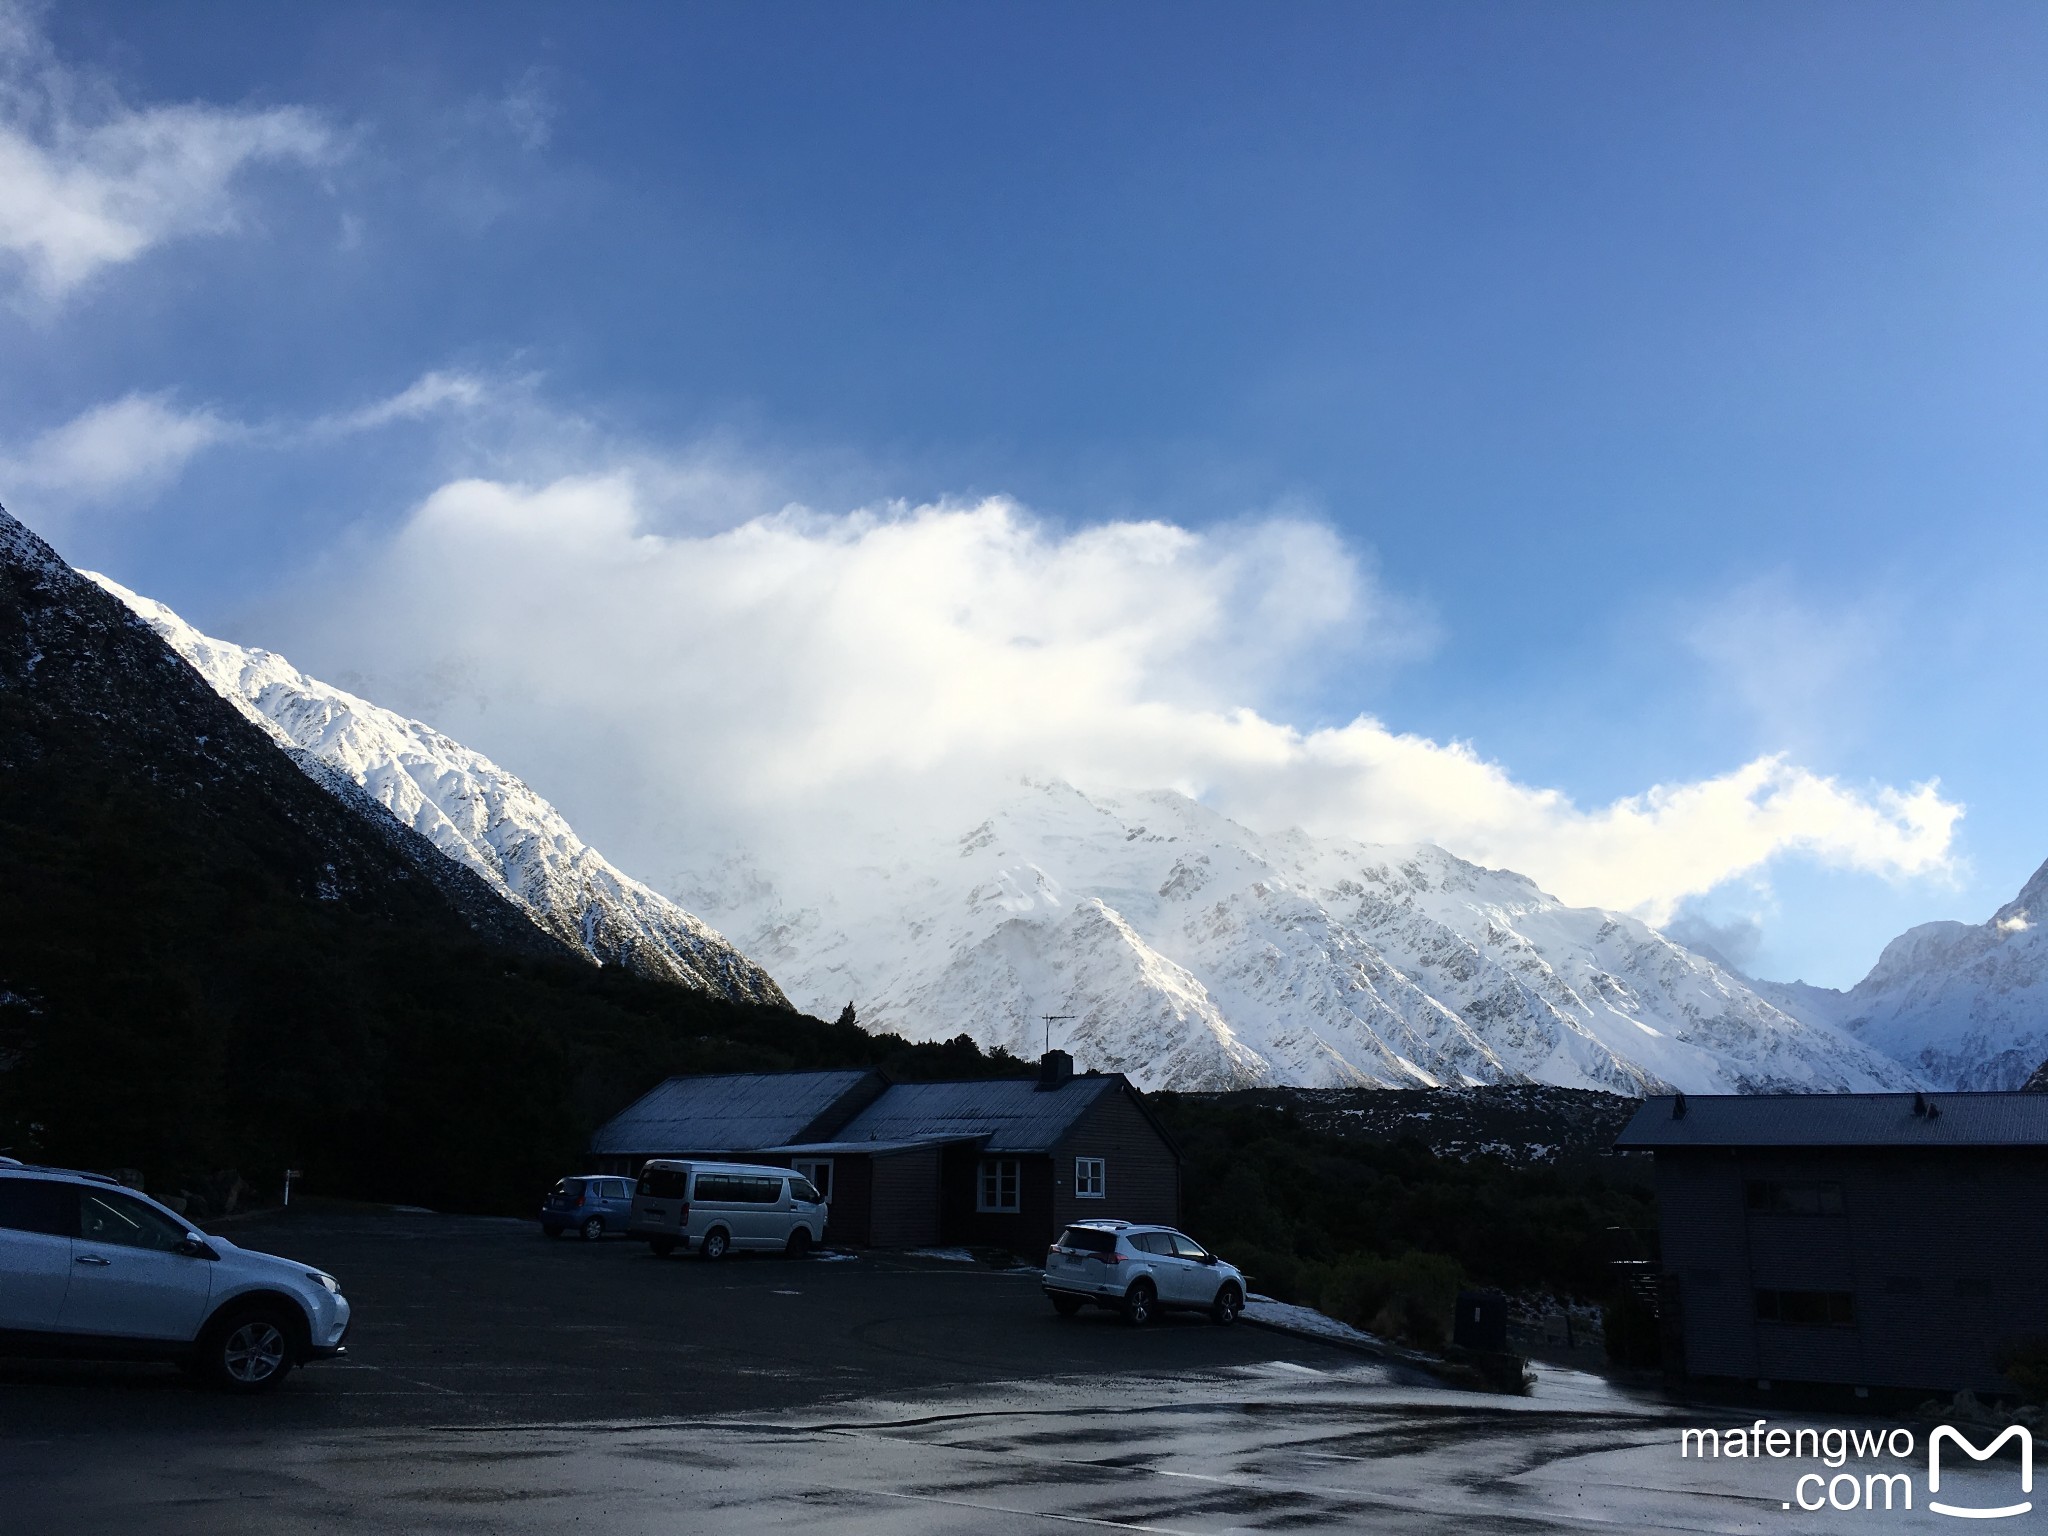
(950, 1255)
(1280, 1314)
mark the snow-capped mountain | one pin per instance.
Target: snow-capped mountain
(1191, 952)
(468, 807)
(1965, 1005)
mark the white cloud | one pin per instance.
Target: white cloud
(428, 395)
(88, 182)
(136, 444)
(818, 672)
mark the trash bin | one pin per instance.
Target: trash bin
(1482, 1322)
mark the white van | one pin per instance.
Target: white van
(713, 1208)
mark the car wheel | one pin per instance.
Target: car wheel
(663, 1247)
(716, 1242)
(799, 1244)
(1229, 1302)
(249, 1351)
(1066, 1306)
(1141, 1304)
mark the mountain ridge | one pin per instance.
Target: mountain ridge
(1965, 1005)
(476, 812)
(1195, 954)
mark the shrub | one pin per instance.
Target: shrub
(1409, 1298)
(1633, 1338)
(2024, 1363)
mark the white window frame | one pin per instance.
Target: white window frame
(989, 1181)
(807, 1168)
(1091, 1178)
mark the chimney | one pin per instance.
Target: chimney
(1055, 1069)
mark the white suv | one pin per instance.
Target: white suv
(90, 1268)
(1139, 1271)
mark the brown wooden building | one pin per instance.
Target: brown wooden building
(1002, 1162)
(1867, 1240)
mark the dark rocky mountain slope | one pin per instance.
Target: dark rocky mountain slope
(207, 960)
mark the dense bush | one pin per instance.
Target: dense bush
(1382, 1236)
(1408, 1297)
(1631, 1331)
(2024, 1363)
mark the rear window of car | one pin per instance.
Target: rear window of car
(39, 1205)
(566, 1186)
(665, 1183)
(1089, 1239)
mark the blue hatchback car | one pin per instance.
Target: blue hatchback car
(589, 1204)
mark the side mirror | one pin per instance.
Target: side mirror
(1208, 1258)
(195, 1247)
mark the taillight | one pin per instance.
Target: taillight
(683, 1214)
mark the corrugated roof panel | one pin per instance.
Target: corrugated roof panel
(859, 1148)
(1015, 1114)
(1840, 1120)
(740, 1112)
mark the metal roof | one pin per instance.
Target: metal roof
(1015, 1114)
(867, 1148)
(1839, 1120)
(742, 1112)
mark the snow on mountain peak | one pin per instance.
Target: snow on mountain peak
(1191, 952)
(470, 808)
(1963, 1004)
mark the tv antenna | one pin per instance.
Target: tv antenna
(1050, 1020)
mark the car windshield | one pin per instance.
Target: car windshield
(1089, 1239)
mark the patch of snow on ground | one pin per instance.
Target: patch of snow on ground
(1280, 1314)
(950, 1255)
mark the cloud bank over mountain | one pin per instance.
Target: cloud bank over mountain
(814, 678)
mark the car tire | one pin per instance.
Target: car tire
(1141, 1303)
(717, 1243)
(799, 1244)
(249, 1350)
(1066, 1306)
(592, 1229)
(662, 1247)
(1229, 1302)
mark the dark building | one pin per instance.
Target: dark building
(1891, 1240)
(1003, 1162)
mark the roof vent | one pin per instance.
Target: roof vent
(1678, 1106)
(1055, 1069)
(1919, 1103)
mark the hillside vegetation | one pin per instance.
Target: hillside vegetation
(207, 961)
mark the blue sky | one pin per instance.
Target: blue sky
(1667, 381)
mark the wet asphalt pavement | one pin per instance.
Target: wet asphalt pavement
(501, 1383)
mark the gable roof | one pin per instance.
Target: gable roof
(737, 1112)
(1839, 1120)
(1015, 1114)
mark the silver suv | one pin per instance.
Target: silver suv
(1140, 1272)
(90, 1268)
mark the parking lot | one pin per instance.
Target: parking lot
(467, 1321)
(499, 1382)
